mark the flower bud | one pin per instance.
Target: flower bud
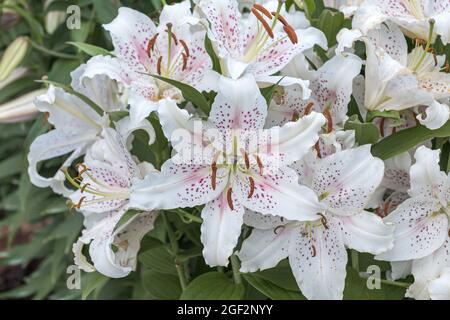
(21, 108)
(13, 56)
(15, 74)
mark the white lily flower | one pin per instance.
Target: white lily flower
(103, 185)
(316, 250)
(21, 108)
(412, 16)
(261, 44)
(235, 172)
(76, 125)
(421, 245)
(174, 49)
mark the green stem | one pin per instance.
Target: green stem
(163, 2)
(235, 266)
(427, 46)
(51, 52)
(174, 244)
(388, 282)
(355, 260)
(189, 216)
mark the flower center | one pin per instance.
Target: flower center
(265, 30)
(98, 189)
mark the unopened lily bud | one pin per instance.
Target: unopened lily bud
(13, 56)
(8, 17)
(53, 19)
(21, 108)
(15, 74)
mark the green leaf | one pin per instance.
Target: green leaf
(268, 92)
(106, 10)
(330, 22)
(212, 54)
(91, 49)
(404, 140)
(189, 93)
(158, 259)
(11, 166)
(392, 114)
(161, 285)
(270, 289)
(60, 71)
(91, 282)
(281, 276)
(364, 132)
(309, 7)
(213, 286)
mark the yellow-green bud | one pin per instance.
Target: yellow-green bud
(13, 56)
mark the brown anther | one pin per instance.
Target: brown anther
(246, 159)
(230, 199)
(327, 115)
(174, 37)
(279, 228)
(419, 42)
(386, 207)
(295, 116)
(185, 60)
(291, 34)
(280, 18)
(263, 10)
(382, 127)
(433, 52)
(158, 65)
(263, 22)
(252, 187)
(83, 167)
(259, 163)
(308, 108)
(213, 175)
(324, 221)
(313, 253)
(317, 147)
(78, 205)
(151, 44)
(185, 47)
(84, 187)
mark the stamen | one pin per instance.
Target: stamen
(158, 65)
(278, 229)
(230, 199)
(259, 163)
(185, 47)
(263, 10)
(295, 116)
(213, 175)
(246, 159)
(308, 108)
(84, 187)
(433, 52)
(327, 115)
(291, 34)
(382, 127)
(263, 22)
(185, 60)
(313, 253)
(281, 19)
(323, 220)
(151, 44)
(252, 187)
(387, 205)
(78, 205)
(83, 167)
(317, 147)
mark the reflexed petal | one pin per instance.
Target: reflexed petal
(347, 179)
(263, 249)
(279, 194)
(418, 230)
(366, 232)
(318, 260)
(177, 185)
(436, 115)
(440, 288)
(220, 229)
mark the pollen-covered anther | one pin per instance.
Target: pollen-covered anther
(185, 60)
(251, 181)
(185, 47)
(246, 159)
(84, 187)
(281, 19)
(279, 229)
(260, 164)
(323, 220)
(291, 34)
(295, 116)
(308, 108)
(213, 175)
(313, 251)
(263, 10)
(327, 115)
(230, 198)
(317, 148)
(158, 65)
(78, 205)
(263, 22)
(151, 44)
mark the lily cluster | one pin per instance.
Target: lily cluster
(271, 150)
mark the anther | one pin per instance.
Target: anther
(78, 205)
(259, 163)
(308, 108)
(230, 199)
(151, 44)
(252, 187)
(174, 37)
(185, 47)
(295, 116)
(317, 147)
(291, 34)
(279, 228)
(213, 175)
(185, 60)
(263, 22)
(313, 253)
(327, 115)
(84, 187)
(83, 167)
(246, 159)
(263, 10)
(158, 65)
(324, 221)
(382, 127)
(281, 19)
